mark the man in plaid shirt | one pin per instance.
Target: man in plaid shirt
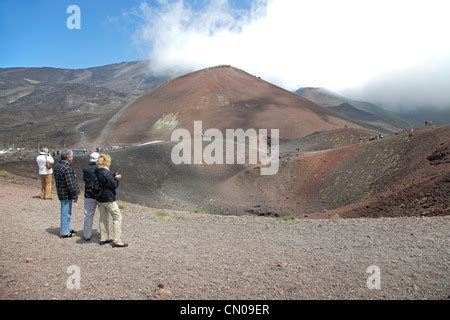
(67, 189)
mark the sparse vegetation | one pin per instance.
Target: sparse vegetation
(13, 98)
(32, 81)
(14, 181)
(197, 212)
(163, 215)
(288, 218)
(4, 174)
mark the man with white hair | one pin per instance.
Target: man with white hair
(90, 204)
(45, 162)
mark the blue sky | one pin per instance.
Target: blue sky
(34, 33)
(367, 50)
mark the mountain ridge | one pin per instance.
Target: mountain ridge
(386, 121)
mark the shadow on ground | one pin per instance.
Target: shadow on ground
(94, 238)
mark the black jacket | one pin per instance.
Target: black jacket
(107, 185)
(66, 181)
(89, 179)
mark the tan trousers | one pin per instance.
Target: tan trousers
(46, 186)
(108, 209)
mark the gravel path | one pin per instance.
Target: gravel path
(200, 256)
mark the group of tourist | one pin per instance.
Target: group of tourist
(100, 191)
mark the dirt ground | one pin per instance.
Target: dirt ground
(193, 255)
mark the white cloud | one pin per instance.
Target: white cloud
(425, 85)
(335, 44)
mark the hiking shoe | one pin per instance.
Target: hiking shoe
(119, 245)
(105, 242)
(67, 235)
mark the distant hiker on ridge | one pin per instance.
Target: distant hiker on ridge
(45, 162)
(90, 204)
(68, 190)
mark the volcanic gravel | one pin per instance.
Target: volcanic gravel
(193, 255)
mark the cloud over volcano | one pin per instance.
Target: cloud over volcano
(334, 44)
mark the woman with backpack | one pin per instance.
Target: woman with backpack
(105, 194)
